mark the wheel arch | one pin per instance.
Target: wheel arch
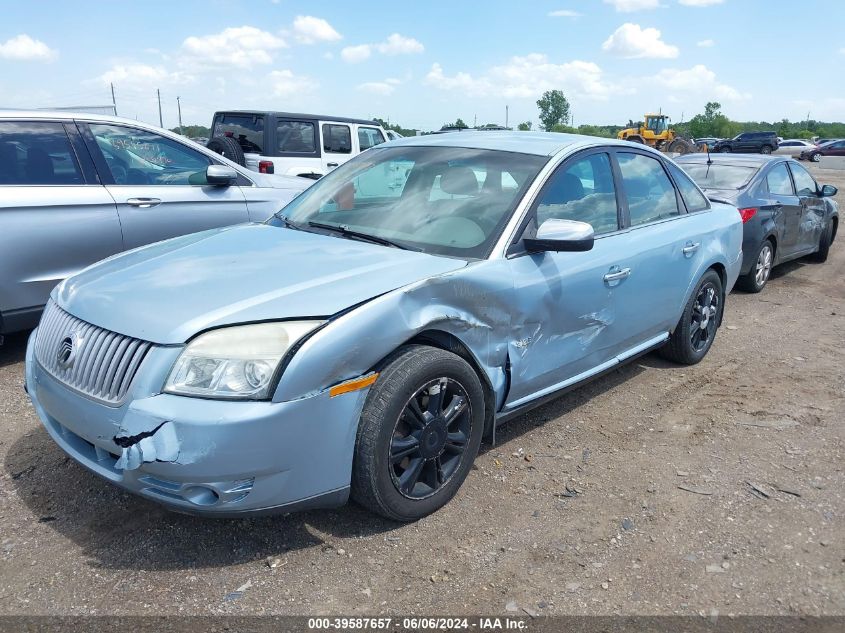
(449, 342)
(834, 220)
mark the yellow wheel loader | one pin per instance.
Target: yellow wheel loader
(655, 132)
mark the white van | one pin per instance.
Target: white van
(308, 145)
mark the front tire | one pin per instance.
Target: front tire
(756, 278)
(816, 158)
(825, 241)
(695, 332)
(766, 149)
(419, 433)
(725, 150)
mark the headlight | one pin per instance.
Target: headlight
(235, 362)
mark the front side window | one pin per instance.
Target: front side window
(246, 129)
(296, 137)
(651, 196)
(138, 157)
(37, 153)
(804, 183)
(583, 191)
(337, 139)
(440, 200)
(369, 137)
(693, 198)
(778, 181)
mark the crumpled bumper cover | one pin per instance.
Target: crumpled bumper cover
(207, 457)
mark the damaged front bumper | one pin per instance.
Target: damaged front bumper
(210, 457)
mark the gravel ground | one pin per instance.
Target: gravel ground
(655, 490)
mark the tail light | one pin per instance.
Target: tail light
(266, 167)
(747, 214)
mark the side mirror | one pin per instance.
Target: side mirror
(828, 191)
(220, 176)
(561, 236)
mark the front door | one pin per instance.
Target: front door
(785, 208)
(566, 311)
(150, 178)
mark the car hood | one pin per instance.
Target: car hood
(169, 291)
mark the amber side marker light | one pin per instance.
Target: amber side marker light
(353, 385)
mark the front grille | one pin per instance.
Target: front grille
(99, 363)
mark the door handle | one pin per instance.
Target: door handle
(690, 248)
(331, 164)
(143, 203)
(618, 275)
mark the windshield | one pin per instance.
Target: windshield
(439, 200)
(717, 176)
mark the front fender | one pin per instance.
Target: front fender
(471, 304)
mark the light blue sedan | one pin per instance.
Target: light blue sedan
(366, 339)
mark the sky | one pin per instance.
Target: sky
(422, 64)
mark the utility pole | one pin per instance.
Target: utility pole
(179, 109)
(506, 116)
(113, 102)
(160, 120)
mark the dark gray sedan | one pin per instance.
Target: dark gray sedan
(785, 212)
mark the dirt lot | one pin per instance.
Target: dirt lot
(656, 490)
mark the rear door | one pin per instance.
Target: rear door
(159, 185)
(55, 217)
(247, 129)
(665, 244)
(784, 207)
(296, 148)
(337, 144)
(812, 208)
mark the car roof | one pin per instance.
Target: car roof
(744, 160)
(302, 115)
(538, 143)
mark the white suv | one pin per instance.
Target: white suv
(306, 145)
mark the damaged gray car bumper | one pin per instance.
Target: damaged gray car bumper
(203, 456)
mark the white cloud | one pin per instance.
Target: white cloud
(382, 88)
(698, 80)
(705, 43)
(24, 48)
(284, 83)
(564, 13)
(141, 75)
(527, 77)
(309, 30)
(633, 41)
(355, 54)
(700, 3)
(629, 6)
(395, 44)
(241, 47)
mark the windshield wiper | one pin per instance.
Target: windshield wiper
(364, 237)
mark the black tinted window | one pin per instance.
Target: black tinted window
(246, 129)
(337, 139)
(37, 154)
(295, 137)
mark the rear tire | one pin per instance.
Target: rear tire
(227, 147)
(695, 332)
(636, 138)
(419, 433)
(825, 241)
(756, 278)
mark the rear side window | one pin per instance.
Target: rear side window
(369, 137)
(693, 198)
(246, 129)
(337, 139)
(37, 153)
(651, 196)
(778, 181)
(295, 137)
